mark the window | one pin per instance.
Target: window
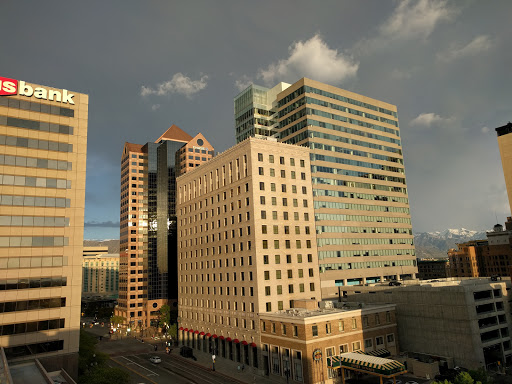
(390, 339)
(302, 163)
(290, 288)
(267, 275)
(379, 341)
(263, 214)
(260, 156)
(354, 323)
(278, 275)
(368, 343)
(279, 289)
(314, 329)
(268, 307)
(328, 328)
(292, 161)
(312, 287)
(290, 274)
(276, 244)
(356, 346)
(295, 331)
(273, 187)
(265, 259)
(377, 319)
(343, 348)
(267, 291)
(365, 321)
(388, 317)
(260, 171)
(265, 244)
(262, 186)
(271, 159)
(278, 259)
(263, 229)
(341, 326)
(283, 187)
(262, 200)
(276, 229)
(280, 305)
(272, 172)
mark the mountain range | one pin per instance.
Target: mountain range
(436, 244)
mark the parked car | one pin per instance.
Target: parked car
(155, 359)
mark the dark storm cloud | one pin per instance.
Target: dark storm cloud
(148, 65)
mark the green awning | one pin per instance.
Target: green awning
(379, 353)
(364, 362)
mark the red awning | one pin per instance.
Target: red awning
(201, 334)
(208, 334)
(253, 345)
(191, 331)
(186, 329)
(181, 329)
(228, 339)
(196, 332)
(236, 341)
(214, 336)
(245, 342)
(221, 337)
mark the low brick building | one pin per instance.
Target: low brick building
(297, 342)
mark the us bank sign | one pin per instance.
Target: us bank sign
(9, 87)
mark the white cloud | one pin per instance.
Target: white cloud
(416, 19)
(243, 82)
(478, 45)
(179, 83)
(314, 59)
(485, 130)
(429, 119)
(154, 107)
(404, 74)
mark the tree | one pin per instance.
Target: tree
(441, 382)
(117, 320)
(164, 319)
(173, 331)
(480, 375)
(464, 378)
(105, 375)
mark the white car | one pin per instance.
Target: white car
(155, 359)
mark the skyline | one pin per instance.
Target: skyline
(148, 67)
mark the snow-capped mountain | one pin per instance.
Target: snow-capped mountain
(436, 244)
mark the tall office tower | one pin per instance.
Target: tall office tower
(256, 111)
(362, 217)
(246, 245)
(147, 276)
(43, 146)
(505, 145)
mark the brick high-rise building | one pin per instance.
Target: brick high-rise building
(362, 217)
(147, 273)
(43, 147)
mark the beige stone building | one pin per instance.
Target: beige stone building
(148, 255)
(43, 146)
(246, 245)
(362, 217)
(100, 278)
(505, 145)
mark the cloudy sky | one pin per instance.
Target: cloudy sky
(149, 64)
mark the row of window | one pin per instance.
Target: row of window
(46, 145)
(35, 125)
(36, 107)
(374, 252)
(365, 175)
(286, 229)
(356, 163)
(29, 305)
(36, 241)
(272, 173)
(284, 201)
(33, 282)
(277, 259)
(289, 273)
(337, 107)
(34, 221)
(364, 196)
(353, 152)
(368, 264)
(285, 215)
(341, 139)
(33, 326)
(362, 241)
(341, 229)
(279, 288)
(21, 161)
(356, 184)
(282, 160)
(309, 89)
(377, 219)
(35, 201)
(359, 207)
(30, 181)
(287, 244)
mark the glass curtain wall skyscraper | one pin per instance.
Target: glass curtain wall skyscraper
(363, 223)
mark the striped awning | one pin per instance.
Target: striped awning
(379, 353)
(364, 362)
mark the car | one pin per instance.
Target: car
(155, 359)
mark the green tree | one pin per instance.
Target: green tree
(117, 320)
(441, 382)
(164, 319)
(173, 331)
(464, 378)
(480, 375)
(105, 375)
